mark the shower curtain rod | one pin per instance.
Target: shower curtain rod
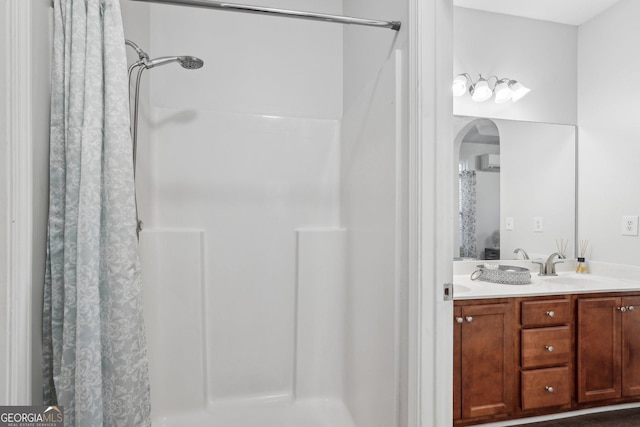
(394, 25)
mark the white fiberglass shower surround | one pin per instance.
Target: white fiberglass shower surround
(271, 189)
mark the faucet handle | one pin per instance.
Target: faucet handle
(541, 264)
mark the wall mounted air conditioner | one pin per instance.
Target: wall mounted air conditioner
(490, 162)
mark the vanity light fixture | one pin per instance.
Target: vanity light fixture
(480, 90)
(504, 89)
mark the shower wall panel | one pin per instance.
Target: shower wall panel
(249, 182)
(371, 213)
(173, 275)
(374, 211)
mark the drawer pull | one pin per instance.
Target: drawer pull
(549, 348)
(459, 319)
(630, 308)
(469, 319)
(551, 313)
(549, 389)
(622, 309)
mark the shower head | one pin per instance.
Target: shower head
(188, 62)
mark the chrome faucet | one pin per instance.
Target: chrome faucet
(548, 268)
(521, 251)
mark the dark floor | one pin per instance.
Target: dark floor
(624, 418)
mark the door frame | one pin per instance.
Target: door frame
(17, 38)
(430, 367)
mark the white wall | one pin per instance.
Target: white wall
(537, 179)
(608, 132)
(542, 55)
(374, 211)
(254, 64)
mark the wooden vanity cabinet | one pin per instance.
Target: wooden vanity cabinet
(608, 347)
(546, 354)
(483, 359)
(528, 356)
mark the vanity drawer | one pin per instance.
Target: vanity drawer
(546, 312)
(546, 346)
(546, 387)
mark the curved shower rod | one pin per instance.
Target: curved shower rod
(211, 4)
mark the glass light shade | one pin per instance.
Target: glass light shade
(518, 90)
(502, 92)
(480, 91)
(459, 85)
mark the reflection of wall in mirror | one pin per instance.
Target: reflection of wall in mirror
(538, 172)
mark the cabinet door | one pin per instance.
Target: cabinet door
(598, 349)
(457, 330)
(631, 346)
(487, 360)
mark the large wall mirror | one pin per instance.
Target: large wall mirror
(515, 188)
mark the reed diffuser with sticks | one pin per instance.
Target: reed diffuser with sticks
(561, 246)
(582, 262)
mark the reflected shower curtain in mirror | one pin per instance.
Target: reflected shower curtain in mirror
(94, 349)
(468, 214)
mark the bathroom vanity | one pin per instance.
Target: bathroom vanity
(558, 344)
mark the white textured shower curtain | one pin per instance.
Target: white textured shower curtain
(468, 214)
(95, 362)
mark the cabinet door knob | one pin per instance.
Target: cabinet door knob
(630, 308)
(551, 313)
(549, 389)
(459, 319)
(622, 309)
(549, 348)
(469, 319)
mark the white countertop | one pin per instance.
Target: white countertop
(604, 277)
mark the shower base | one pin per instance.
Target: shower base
(264, 412)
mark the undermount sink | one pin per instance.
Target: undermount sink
(571, 281)
(564, 279)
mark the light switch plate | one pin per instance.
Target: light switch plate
(509, 223)
(538, 226)
(630, 225)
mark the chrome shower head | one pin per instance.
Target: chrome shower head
(188, 62)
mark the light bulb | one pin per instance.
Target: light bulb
(480, 91)
(518, 90)
(459, 85)
(502, 92)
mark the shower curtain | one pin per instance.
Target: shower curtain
(94, 350)
(468, 214)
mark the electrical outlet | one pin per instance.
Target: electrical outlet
(509, 223)
(538, 227)
(630, 225)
